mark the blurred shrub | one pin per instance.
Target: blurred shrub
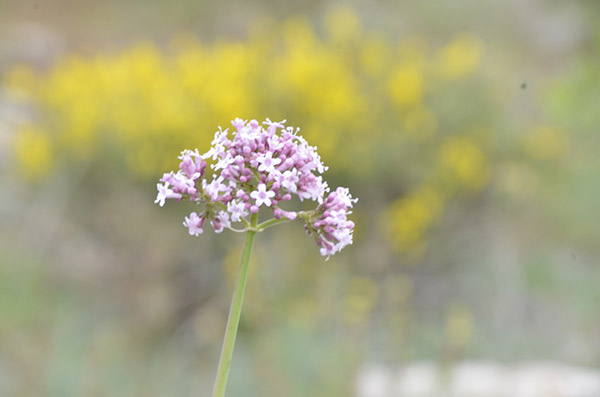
(397, 114)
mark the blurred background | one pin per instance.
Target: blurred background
(469, 131)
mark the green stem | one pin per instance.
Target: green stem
(271, 222)
(234, 312)
(275, 221)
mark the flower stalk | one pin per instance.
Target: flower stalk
(235, 312)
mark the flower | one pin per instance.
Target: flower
(164, 193)
(289, 179)
(192, 164)
(267, 162)
(194, 224)
(237, 209)
(262, 196)
(259, 167)
(330, 226)
(220, 221)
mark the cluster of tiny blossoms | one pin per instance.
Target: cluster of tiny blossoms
(260, 166)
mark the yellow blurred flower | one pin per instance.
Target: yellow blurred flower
(343, 25)
(461, 57)
(545, 142)
(21, 81)
(410, 217)
(34, 152)
(462, 161)
(406, 84)
(375, 55)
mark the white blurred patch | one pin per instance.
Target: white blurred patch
(479, 379)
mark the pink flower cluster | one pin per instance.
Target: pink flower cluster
(329, 223)
(259, 166)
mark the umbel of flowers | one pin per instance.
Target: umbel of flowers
(259, 166)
